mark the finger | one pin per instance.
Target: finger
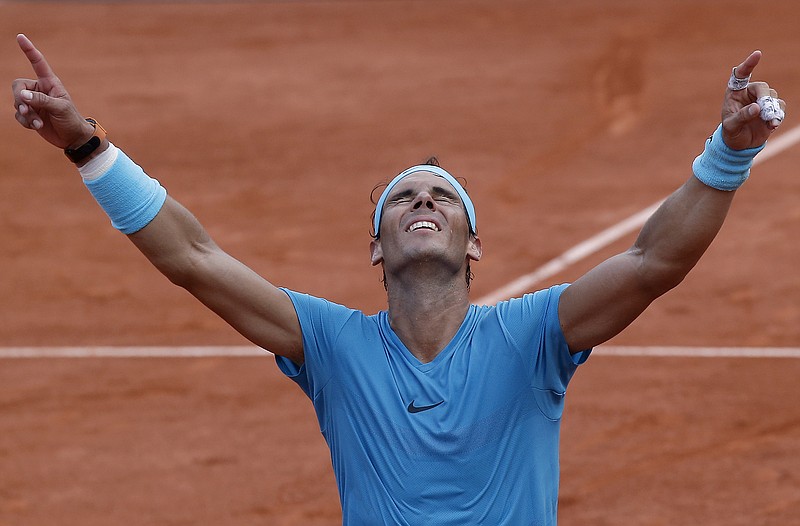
(36, 100)
(35, 57)
(22, 119)
(772, 110)
(759, 89)
(773, 93)
(774, 123)
(737, 121)
(25, 115)
(21, 84)
(747, 66)
(29, 119)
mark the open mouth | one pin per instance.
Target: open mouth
(422, 224)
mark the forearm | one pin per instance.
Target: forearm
(174, 242)
(163, 230)
(679, 232)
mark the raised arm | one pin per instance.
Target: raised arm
(163, 230)
(600, 304)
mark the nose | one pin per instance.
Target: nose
(423, 199)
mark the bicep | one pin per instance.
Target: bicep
(604, 301)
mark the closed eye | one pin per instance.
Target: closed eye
(438, 193)
(441, 194)
(403, 197)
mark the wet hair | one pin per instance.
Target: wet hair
(430, 161)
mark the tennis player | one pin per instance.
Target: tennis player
(436, 411)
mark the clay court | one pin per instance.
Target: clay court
(272, 121)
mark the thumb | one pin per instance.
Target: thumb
(738, 120)
(27, 105)
(55, 118)
(741, 130)
(40, 101)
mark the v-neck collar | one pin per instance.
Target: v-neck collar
(443, 355)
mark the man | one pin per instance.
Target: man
(436, 411)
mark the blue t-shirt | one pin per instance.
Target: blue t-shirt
(468, 438)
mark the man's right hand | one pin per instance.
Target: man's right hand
(44, 105)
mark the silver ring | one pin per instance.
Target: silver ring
(737, 84)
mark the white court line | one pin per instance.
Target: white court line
(606, 237)
(132, 352)
(251, 351)
(701, 352)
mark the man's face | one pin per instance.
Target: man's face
(423, 219)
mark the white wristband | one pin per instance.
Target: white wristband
(99, 164)
(130, 197)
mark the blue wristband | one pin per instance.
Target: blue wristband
(722, 167)
(128, 195)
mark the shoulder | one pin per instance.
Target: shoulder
(532, 304)
(317, 313)
(526, 319)
(302, 300)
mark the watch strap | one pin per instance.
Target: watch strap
(80, 153)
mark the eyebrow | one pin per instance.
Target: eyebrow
(435, 190)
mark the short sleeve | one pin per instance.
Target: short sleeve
(320, 322)
(532, 323)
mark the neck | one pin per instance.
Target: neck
(426, 311)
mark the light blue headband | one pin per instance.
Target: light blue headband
(434, 170)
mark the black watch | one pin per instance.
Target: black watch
(80, 153)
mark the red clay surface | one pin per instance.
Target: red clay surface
(272, 122)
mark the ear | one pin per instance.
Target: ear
(376, 252)
(474, 250)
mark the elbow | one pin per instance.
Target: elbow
(665, 282)
(186, 269)
(659, 276)
(176, 275)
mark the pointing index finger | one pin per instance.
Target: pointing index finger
(744, 69)
(35, 57)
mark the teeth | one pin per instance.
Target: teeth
(422, 224)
